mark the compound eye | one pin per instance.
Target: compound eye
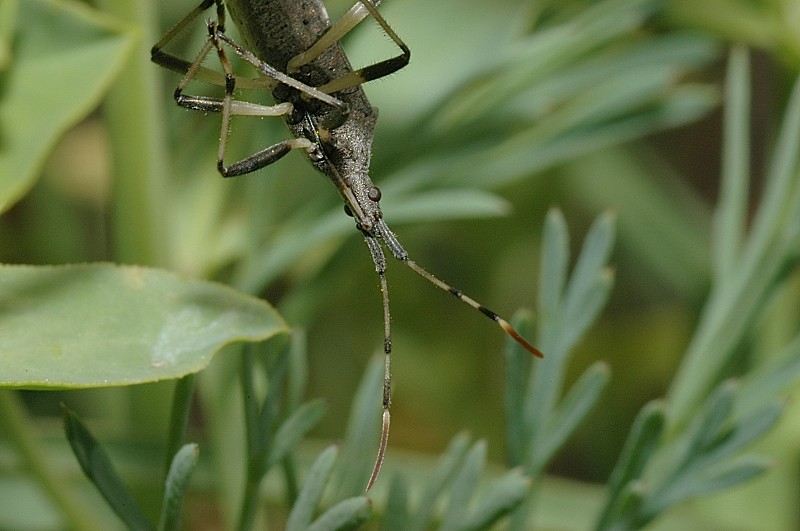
(348, 211)
(374, 194)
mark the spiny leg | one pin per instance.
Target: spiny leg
(228, 106)
(199, 72)
(176, 63)
(379, 260)
(356, 14)
(270, 72)
(343, 26)
(208, 104)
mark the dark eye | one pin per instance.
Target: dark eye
(348, 211)
(374, 194)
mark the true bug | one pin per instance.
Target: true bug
(294, 47)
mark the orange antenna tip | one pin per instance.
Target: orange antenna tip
(518, 338)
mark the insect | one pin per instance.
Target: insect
(296, 50)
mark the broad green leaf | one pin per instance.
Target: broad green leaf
(106, 325)
(180, 471)
(100, 471)
(64, 58)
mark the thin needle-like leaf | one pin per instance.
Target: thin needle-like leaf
(101, 472)
(345, 515)
(731, 214)
(502, 497)
(442, 475)
(294, 429)
(183, 464)
(464, 485)
(574, 407)
(303, 510)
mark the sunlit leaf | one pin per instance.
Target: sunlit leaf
(103, 325)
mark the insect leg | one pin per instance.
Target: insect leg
(229, 106)
(199, 72)
(207, 104)
(400, 253)
(357, 13)
(168, 60)
(272, 73)
(379, 260)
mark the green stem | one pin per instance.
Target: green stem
(134, 117)
(17, 428)
(254, 470)
(179, 419)
(290, 477)
(250, 501)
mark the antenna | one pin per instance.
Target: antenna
(381, 230)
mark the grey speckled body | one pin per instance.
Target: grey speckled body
(276, 31)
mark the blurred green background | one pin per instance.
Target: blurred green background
(652, 156)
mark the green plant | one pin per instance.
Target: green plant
(553, 89)
(690, 445)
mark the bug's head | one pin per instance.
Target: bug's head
(362, 203)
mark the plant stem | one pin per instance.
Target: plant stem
(179, 418)
(250, 501)
(18, 429)
(134, 117)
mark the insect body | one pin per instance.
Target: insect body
(296, 50)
